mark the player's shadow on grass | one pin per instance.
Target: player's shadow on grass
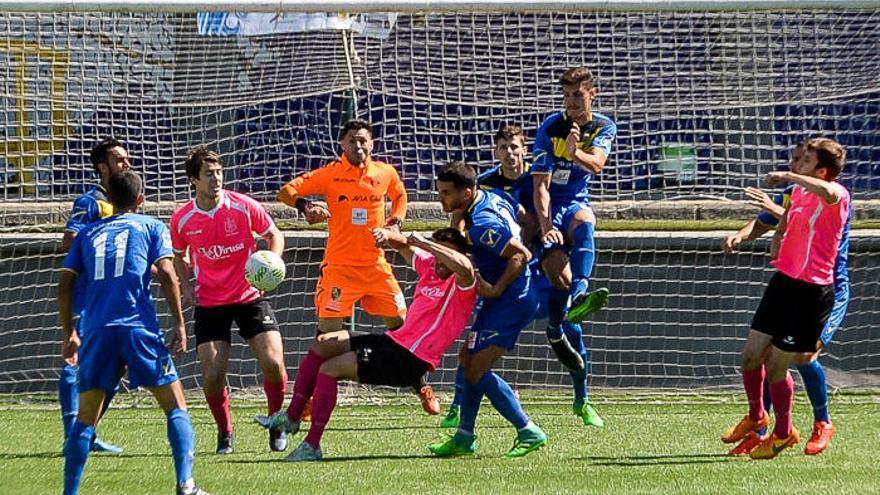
(657, 460)
(31, 455)
(405, 427)
(380, 457)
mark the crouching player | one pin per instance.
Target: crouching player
(442, 305)
(114, 256)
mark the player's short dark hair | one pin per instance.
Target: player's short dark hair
(460, 174)
(198, 156)
(508, 132)
(355, 125)
(830, 155)
(452, 236)
(100, 151)
(578, 76)
(123, 189)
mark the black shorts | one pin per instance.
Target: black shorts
(794, 313)
(215, 322)
(382, 361)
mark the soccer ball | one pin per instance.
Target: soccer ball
(264, 270)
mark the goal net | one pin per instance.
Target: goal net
(706, 103)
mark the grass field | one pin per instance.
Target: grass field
(650, 445)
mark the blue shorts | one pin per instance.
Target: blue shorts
(835, 320)
(561, 217)
(500, 321)
(542, 289)
(106, 352)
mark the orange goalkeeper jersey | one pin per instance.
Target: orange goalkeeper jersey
(356, 200)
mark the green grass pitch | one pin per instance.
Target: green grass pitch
(651, 445)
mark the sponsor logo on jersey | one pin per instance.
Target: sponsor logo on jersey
(217, 251)
(432, 292)
(489, 237)
(230, 226)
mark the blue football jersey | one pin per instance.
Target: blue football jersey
(518, 191)
(568, 181)
(90, 207)
(114, 256)
(490, 223)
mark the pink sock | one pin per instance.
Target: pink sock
(753, 381)
(304, 385)
(275, 393)
(219, 405)
(782, 395)
(322, 406)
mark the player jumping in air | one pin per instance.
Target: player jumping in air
(511, 180)
(571, 147)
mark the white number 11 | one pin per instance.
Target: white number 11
(100, 245)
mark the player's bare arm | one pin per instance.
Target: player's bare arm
(541, 196)
(166, 274)
(457, 262)
(762, 200)
(592, 160)
(820, 187)
(750, 231)
(518, 257)
(393, 238)
(183, 271)
(70, 342)
(275, 239)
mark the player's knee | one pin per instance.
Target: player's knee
(329, 368)
(750, 359)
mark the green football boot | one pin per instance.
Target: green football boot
(587, 303)
(455, 446)
(527, 440)
(452, 418)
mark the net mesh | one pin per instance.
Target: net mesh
(677, 320)
(705, 102)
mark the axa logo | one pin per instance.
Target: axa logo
(432, 292)
(217, 251)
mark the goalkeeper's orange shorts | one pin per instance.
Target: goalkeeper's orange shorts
(341, 286)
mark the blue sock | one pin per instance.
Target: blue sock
(557, 302)
(814, 381)
(182, 439)
(68, 397)
(768, 404)
(76, 453)
(503, 400)
(471, 396)
(574, 335)
(581, 257)
(459, 386)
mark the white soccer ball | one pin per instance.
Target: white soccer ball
(264, 270)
